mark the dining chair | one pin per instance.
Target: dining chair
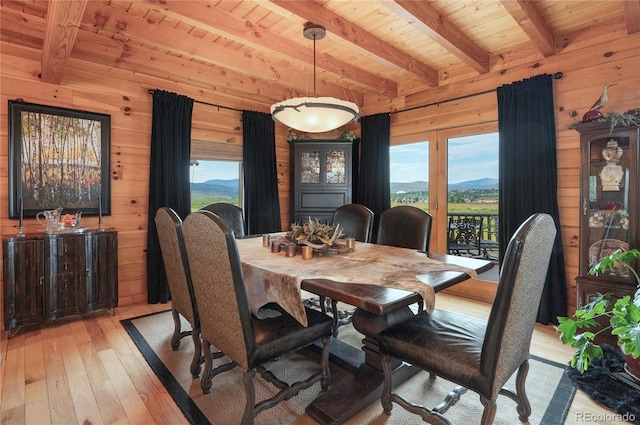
(355, 220)
(478, 355)
(231, 214)
(405, 226)
(169, 226)
(228, 324)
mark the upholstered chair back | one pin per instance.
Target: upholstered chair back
(356, 221)
(231, 214)
(169, 228)
(218, 285)
(405, 226)
(513, 314)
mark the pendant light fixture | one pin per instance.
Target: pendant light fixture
(314, 114)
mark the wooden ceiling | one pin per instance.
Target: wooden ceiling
(374, 49)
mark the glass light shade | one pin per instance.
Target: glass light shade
(314, 114)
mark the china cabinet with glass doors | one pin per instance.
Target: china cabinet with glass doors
(609, 212)
(321, 179)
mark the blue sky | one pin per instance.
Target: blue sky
(470, 158)
(209, 170)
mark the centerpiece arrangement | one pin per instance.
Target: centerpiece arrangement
(315, 234)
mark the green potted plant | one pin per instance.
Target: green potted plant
(623, 317)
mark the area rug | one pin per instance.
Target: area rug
(550, 391)
(602, 387)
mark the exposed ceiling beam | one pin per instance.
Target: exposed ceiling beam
(532, 23)
(632, 15)
(225, 24)
(120, 25)
(361, 39)
(428, 21)
(63, 20)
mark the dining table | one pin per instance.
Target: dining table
(382, 283)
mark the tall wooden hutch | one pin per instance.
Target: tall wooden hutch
(321, 178)
(609, 205)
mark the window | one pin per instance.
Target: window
(472, 195)
(215, 181)
(409, 173)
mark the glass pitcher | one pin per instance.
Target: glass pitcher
(50, 219)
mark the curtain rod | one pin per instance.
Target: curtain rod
(209, 104)
(555, 76)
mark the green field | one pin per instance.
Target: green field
(198, 203)
(461, 207)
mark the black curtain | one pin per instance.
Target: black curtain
(261, 202)
(528, 175)
(168, 178)
(374, 188)
(355, 168)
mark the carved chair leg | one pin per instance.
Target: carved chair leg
(197, 353)
(489, 413)
(175, 338)
(323, 304)
(524, 407)
(324, 364)
(206, 378)
(249, 408)
(385, 398)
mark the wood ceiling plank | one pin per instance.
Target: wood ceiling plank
(20, 28)
(632, 16)
(63, 20)
(533, 24)
(123, 55)
(360, 38)
(115, 24)
(428, 21)
(258, 37)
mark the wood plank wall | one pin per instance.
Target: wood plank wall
(587, 63)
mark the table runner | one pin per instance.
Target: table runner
(273, 277)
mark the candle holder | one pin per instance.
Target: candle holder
(275, 246)
(100, 227)
(21, 224)
(307, 252)
(290, 250)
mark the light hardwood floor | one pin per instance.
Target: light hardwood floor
(88, 371)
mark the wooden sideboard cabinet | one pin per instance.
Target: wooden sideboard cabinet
(47, 277)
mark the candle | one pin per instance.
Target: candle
(100, 211)
(290, 250)
(21, 212)
(307, 252)
(275, 246)
(21, 225)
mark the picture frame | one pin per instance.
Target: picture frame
(58, 158)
